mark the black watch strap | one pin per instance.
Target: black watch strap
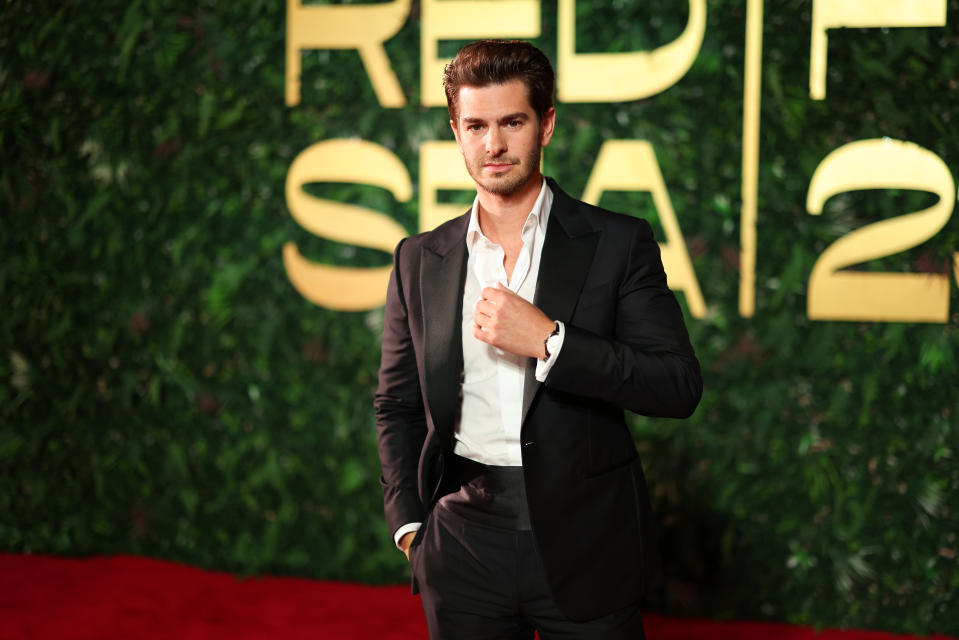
(546, 341)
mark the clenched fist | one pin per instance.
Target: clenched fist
(505, 320)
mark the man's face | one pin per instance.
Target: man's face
(500, 136)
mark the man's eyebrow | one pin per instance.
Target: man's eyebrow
(519, 115)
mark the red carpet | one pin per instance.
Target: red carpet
(134, 598)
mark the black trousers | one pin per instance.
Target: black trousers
(481, 580)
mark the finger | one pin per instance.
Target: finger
(481, 320)
(492, 294)
(483, 307)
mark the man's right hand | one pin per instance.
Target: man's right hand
(405, 543)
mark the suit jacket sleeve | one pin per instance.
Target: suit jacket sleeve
(400, 417)
(647, 364)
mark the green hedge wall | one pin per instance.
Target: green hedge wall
(165, 391)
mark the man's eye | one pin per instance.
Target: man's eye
(474, 127)
(514, 123)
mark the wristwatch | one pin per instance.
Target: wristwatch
(551, 340)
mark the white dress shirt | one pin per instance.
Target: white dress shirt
(492, 387)
(493, 379)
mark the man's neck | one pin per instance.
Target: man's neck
(501, 218)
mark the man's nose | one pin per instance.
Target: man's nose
(495, 142)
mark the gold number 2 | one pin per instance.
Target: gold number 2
(880, 296)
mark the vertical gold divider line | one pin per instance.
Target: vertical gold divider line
(752, 84)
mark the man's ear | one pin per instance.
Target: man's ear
(456, 134)
(546, 127)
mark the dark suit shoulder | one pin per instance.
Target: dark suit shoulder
(439, 240)
(579, 217)
(616, 222)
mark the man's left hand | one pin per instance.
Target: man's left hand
(505, 320)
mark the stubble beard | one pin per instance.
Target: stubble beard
(511, 181)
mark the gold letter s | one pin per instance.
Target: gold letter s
(360, 162)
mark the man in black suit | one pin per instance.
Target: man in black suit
(514, 338)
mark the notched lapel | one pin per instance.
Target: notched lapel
(567, 255)
(442, 273)
(563, 268)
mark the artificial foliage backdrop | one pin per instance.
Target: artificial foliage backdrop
(164, 390)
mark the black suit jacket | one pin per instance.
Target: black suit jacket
(626, 347)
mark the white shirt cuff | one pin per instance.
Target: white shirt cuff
(402, 531)
(543, 366)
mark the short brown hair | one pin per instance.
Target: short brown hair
(487, 62)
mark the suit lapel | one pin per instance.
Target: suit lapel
(442, 276)
(564, 264)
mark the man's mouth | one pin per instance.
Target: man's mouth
(498, 166)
